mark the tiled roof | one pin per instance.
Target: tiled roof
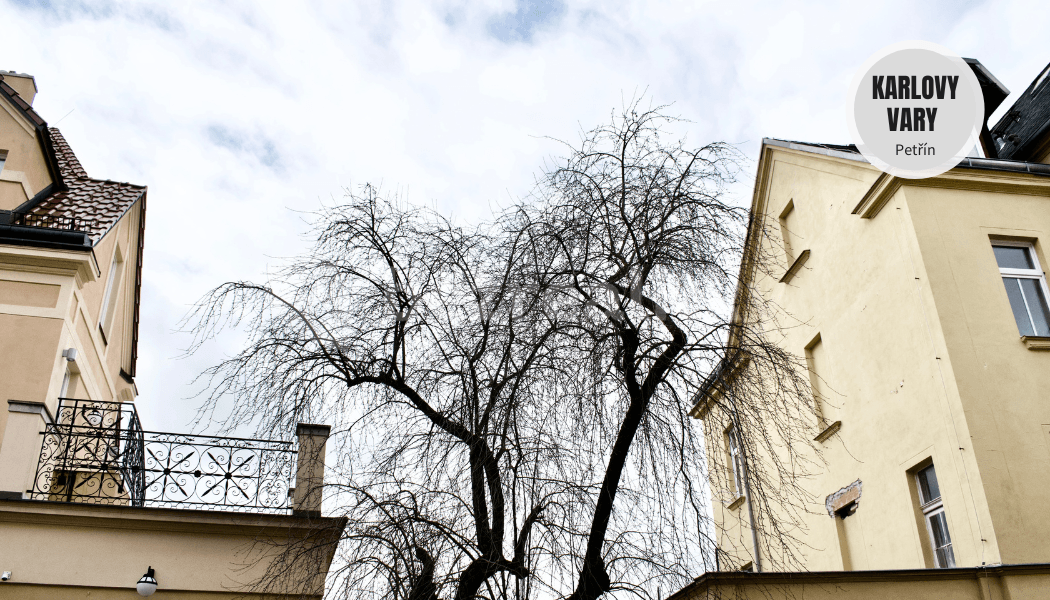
(97, 204)
(67, 161)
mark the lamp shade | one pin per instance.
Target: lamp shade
(148, 584)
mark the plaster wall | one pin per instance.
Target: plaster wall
(887, 376)
(102, 551)
(1004, 386)
(25, 172)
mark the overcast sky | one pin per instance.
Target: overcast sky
(237, 115)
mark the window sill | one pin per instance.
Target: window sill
(1033, 342)
(795, 267)
(829, 431)
(735, 504)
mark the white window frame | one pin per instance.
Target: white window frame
(736, 460)
(1035, 273)
(62, 391)
(109, 299)
(931, 508)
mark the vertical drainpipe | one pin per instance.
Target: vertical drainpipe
(747, 484)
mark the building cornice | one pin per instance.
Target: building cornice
(66, 514)
(719, 579)
(80, 263)
(1012, 181)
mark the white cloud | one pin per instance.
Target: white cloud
(236, 113)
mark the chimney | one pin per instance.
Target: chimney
(24, 84)
(309, 473)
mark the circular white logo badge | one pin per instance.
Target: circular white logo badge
(917, 109)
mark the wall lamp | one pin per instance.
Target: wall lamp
(148, 584)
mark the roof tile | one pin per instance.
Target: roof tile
(67, 161)
(97, 204)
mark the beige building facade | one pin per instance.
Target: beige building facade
(918, 309)
(89, 498)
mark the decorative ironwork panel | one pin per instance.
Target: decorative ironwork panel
(97, 452)
(46, 221)
(213, 472)
(91, 453)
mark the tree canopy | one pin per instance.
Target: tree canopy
(510, 397)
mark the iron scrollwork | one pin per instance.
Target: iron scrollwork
(97, 452)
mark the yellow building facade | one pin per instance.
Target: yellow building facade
(918, 310)
(89, 498)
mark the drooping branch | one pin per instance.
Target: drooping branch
(510, 396)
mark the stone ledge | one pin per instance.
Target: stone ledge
(1035, 342)
(795, 267)
(829, 431)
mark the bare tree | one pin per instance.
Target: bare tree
(512, 396)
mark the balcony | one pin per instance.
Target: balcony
(97, 452)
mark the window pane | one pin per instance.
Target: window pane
(1033, 293)
(736, 459)
(945, 557)
(1013, 291)
(942, 542)
(939, 528)
(928, 484)
(1012, 257)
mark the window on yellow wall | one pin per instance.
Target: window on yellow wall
(109, 299)
(817, 365)
(3, 159)
(933, 514)
(736, 460)
(1025, 287)
(788, 222)
(64, 390)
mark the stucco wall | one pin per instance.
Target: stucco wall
(109, 548)
(1004, 386)
(872, 292)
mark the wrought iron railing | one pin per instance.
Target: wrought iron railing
(46, 221)
(96, 452)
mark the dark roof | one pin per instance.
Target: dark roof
(97, 204)
(851, 152)
(1027, 122)
(852, 148)
(67, 161)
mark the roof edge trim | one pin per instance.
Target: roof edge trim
(814, 149)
